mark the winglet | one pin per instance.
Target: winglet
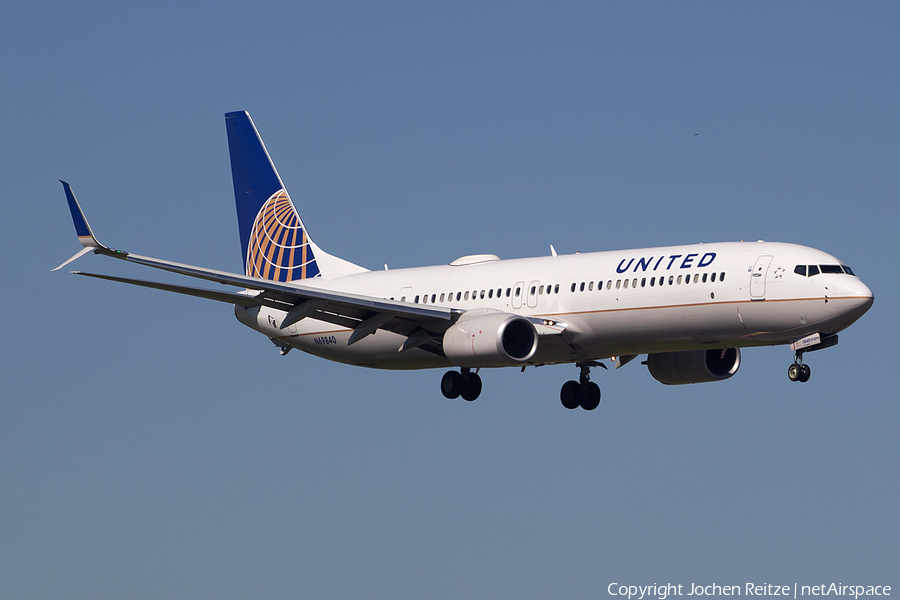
(82, 228)
(83, 231)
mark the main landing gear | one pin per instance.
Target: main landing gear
(464, 383)
(584, 392)
(799, 371)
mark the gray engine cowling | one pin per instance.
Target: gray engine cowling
(695, 366)
(490, 340)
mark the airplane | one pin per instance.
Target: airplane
(689, 308)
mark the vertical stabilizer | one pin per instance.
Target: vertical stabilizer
(274, 241)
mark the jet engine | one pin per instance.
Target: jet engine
(495, 339)
(696, 366)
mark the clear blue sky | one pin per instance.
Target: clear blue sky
(151, 446)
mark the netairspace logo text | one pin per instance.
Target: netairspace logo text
(663, 591)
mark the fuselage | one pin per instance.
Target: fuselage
(717, 295)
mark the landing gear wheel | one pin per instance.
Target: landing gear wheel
(471, 386)
(570, 395)
(794, 372)
(451, 385)
(590, 398)
(804, 373)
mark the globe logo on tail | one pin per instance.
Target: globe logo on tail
(278, 248)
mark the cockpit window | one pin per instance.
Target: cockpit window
(810, 270)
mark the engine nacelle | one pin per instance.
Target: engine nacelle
(490, 340)
(696, 366)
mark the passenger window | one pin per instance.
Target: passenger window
(458, 294)
(518, 291)
(813, 270)
(713, 278)
(687, 279)
(626, 284)
(671, 279)
(609, 284)
(800, 270)
(433, 296)
(442, 297)
(533, 290)
(591, 286)
(721, 277)
(644, 282)
(652, 281)
(467, 295)
(482, 294)
(403, 299)
(556, 289)
(581, 289)
(634, 283)
(679, 280)
(491, 293)
(704, 278)
(600, 285)
(507, 292)
(573, 287)
(541, 291)
(696, 277)
(499, 292)
(618, 283)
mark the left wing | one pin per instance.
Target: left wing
(363, 314)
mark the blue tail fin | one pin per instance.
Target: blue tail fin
(274, 241)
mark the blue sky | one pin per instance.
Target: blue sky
(151, 446)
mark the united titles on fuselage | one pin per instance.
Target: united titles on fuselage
(687, 262)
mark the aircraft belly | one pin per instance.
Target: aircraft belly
(674, 324)
(379, 350)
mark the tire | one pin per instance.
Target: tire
(570, 395)
(590, 396)
(805, 372)
(794, 372)
(451, 384)
(471, 387)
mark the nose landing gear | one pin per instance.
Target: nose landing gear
(584, 392)
(798, 371)
(463, 383)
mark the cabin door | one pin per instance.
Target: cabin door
(758, 277)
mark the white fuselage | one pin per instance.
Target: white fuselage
(615, 303)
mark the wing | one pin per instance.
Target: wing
(363, 314)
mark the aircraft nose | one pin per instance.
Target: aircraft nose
(859, 298)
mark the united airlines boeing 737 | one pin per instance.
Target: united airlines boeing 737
(688, 308)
